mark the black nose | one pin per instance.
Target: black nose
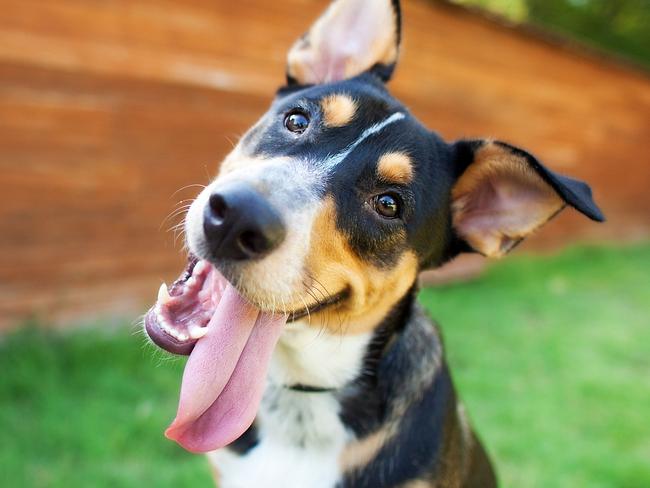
(240, 224)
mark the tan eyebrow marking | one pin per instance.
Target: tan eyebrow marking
(338, 110)
(395, 167)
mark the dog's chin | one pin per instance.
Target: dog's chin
(276, 296)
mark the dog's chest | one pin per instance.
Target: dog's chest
(300, 435)
(300, 440)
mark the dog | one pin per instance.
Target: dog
(311, 363)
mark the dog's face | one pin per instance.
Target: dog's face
(347, 195)
(331, 204)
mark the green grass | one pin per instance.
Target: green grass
(551, 356)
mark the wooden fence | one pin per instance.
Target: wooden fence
(108, 108)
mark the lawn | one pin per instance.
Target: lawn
(550, 354)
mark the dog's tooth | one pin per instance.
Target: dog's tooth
(191, 283)
(165, 324)
(172, 331)
(159, 316)
(163, 294)
(196, 332)
(199, 268)
(162, 321)
(169, 328)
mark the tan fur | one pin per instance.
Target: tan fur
(419, 484)
(373, 291)
(358, 454)
(338, 110)
(304, 59)
(395, 167)
(495, 231)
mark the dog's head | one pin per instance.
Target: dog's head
(338, 195)
(334, 201)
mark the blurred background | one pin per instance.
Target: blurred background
(111, 110)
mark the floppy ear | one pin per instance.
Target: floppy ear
(351, 37)
(502, 194)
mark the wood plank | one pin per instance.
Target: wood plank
(108, 108)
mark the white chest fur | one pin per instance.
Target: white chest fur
(301, 435)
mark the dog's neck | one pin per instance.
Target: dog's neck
(322, 359)
(340, 364)
(306, 355)
(377, 379)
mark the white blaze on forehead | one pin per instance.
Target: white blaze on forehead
(332, 161)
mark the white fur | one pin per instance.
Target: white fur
(311, 356)
(301, 435)
(333, 161)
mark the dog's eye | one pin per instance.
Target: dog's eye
(387, 205)
(296, 122)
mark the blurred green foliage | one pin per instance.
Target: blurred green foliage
(619, 26)
(550, 355)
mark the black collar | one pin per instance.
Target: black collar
(308, 388)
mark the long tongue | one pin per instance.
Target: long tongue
(224, 376)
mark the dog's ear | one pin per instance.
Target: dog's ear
(502, 194)
(351, 37)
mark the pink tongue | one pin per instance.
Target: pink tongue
(224, 376)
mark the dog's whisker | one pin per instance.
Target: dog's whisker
(324, 289)
(179, 235)
(232, 143)
(306, 310)
(310, 292)
(174, 213)
(184, 201)
(284, 307)
(193, 185)
(207, 173)
(176, 227)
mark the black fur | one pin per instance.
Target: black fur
(247, 441)
(405, 388)
(410, 455)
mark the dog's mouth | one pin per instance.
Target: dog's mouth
(183, 310)
(311, 309)
(229, 341)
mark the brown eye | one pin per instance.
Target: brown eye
(296, 122)
(387, 206)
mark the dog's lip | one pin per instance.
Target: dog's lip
(164, 340)
(330, 301)
(293, 315)
(174, 323)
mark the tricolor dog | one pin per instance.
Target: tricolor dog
(311, 364)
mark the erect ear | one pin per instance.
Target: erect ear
(351, 37)
(502, 194)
